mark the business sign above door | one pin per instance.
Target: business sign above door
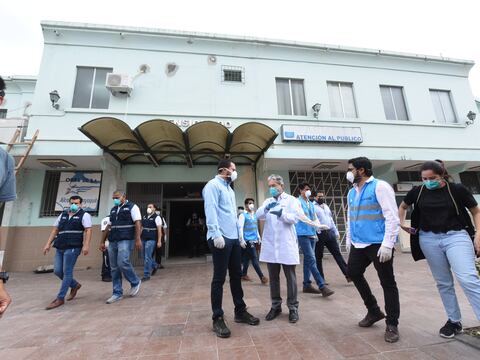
(327, 134)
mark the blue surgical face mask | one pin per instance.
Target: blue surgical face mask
(73, 208)
(116, 202)
(274, 191)
(432, 184)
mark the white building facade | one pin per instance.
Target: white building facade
(177, 102)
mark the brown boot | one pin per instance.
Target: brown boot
(326, 292)
(311, 290)
(54, 304)
(246, 278)
(73, 292)
(264, 280)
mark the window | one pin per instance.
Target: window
(90, 91)
(290, 97)
(342, 101)
(442, 103)
(471, 179)
(394, 102)
(3, 113)
(233, 74)
(409, 176)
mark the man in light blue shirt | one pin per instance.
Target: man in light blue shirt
(224, 243)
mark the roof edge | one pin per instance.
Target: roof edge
(246, 39)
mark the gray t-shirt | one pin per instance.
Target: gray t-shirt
(7, 177)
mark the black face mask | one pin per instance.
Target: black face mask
(321, 201)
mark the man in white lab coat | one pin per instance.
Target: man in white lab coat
(279, 245)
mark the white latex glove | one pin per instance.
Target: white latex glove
(243, 244)
(348, 247)
(384, 254)
(259, 241)
(219, 242)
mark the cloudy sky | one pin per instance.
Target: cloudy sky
(433, 27)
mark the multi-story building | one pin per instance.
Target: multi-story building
(176, 102)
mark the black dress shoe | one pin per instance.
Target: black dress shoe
(273, 313)
(246, 318)
(293, 316)
(391, 334)
(154, 271)
(107, 279)
(220, 328)
(371, 318)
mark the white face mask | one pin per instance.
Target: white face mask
(149, 211)
(233, 175)
(350, 177)
(251, 206)
(308, 193)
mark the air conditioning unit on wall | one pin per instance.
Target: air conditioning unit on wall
(119, 84)
(403, 187)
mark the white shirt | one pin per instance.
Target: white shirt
(386, 199)
(105, 222)
(279, 240)
(86, 220)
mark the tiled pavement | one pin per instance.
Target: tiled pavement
(170, 319)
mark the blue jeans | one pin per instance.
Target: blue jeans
(63, 267)
(149, 264)
(119, 254)
(307, 245)
(447, 252)
(250, 253)
(229, 258)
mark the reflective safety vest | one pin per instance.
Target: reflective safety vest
(367, 223)
(70, 231)
(309, 210)
(250, 227)
(122, 226)
(150, 231)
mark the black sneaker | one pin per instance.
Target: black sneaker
(391, 334)
(371, 318)
(247, 318)
(450, 329)
(273, 313)
(106, 279)
(220, 328)
(154, 271)
(293, 316)
(145, 278)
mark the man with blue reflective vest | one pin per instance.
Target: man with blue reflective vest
(151, 238)
(71, 235)
(248, 231)
(224, 243)
(124, 230)
(307, 237)
(372, 231)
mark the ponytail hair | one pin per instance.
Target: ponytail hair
(438, 168)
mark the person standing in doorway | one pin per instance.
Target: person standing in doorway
(161, 251)
(329, 237)
(106, 270)
(151, 239)
(71, 235)
(123, 234)
(307, 237)
(372, 231)
(224, 243)
(195, 226)
(248, 230)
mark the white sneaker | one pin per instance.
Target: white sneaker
(135, 289)
(114, 298)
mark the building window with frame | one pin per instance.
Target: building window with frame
(90, 91)
(3, 113)
(471, 180)
(342, 100)
(394, 102)
(233, 74)
(290, 97)
(443, 106)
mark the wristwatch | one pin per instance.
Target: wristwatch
(4, 276)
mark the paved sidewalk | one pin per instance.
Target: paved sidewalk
(171, 319)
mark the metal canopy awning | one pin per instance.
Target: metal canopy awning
(162, 142)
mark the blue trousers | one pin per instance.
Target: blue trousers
(63, 267)
(250, 253)
(149, 263)
(119, 254)
(307, 245)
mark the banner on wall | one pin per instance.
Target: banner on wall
(82, 183)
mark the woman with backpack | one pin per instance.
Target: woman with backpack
(442, 232)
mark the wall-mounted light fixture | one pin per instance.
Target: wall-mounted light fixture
(471, 117)
(54, 97)
(316, 109)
